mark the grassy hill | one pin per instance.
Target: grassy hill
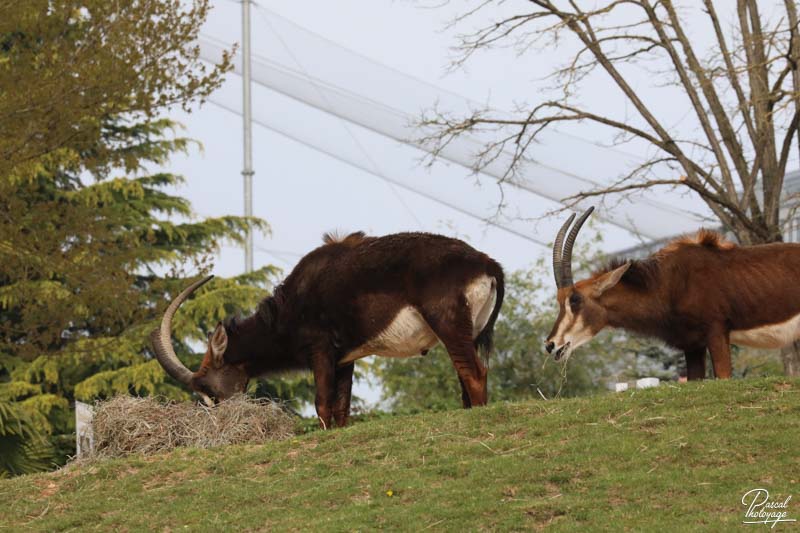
(675, 458)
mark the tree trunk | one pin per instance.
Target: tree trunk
(790, 355)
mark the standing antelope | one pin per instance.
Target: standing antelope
(395, 296)
(698, 292)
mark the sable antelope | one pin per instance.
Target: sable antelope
(699, 292)
(395, 296)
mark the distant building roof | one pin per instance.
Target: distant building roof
(791, 183)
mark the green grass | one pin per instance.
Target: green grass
(675, 458)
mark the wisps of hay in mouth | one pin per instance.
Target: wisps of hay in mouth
(127, 425)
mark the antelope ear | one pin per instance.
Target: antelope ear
(609, 279)
(218, 342)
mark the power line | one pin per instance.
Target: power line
(262, 10)
(281, 252)
(276, 254)
(385, 178)
(400, 119)
(427, 83)
(342, 122)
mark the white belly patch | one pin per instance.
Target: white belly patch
(771, 336)
(408, 334)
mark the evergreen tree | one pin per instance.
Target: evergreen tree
(67, 65)
(23, 447)
(86, 270)
(92, 245)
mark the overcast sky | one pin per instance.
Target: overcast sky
(303, 193)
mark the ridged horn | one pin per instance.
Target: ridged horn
(161, 338)
(567, 257)
(558, 248)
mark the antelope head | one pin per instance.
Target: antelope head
(581, 313)
(216, 379)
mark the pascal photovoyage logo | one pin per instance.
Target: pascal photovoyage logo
(761, 509)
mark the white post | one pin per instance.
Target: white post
(247, 171)
(84, 433)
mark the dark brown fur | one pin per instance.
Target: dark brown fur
(692, 293)
(346, 292)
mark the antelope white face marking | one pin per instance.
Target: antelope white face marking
(409, 335)
(572, 332)
(773, 336)
(206, 400)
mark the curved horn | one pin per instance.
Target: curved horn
(567, 257)
(558, 248)
(161, 338)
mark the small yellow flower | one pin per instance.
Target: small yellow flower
(390, 493)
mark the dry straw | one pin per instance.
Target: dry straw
(127, 425)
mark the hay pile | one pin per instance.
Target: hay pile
(126, 425)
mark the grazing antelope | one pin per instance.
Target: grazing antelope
(698, 293)
(395, 296)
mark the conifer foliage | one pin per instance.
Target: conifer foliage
(87, 269)
(93, 243)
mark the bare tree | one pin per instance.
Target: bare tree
(743, 94)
